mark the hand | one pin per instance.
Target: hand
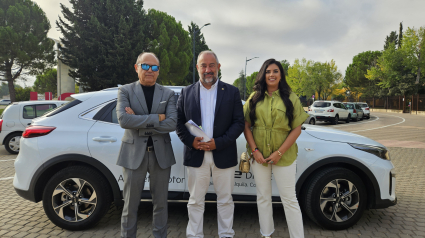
(210, 145)
(161, 117)
(275, 157)
(197, 144)
(129, 111)
(258, 157)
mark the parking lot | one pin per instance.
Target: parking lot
(404, 134)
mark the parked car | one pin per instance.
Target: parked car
(310, 120)
(17, 116)
(68, 160)
(355, 111)
(365, 108)
(5, 102)
(332, 111)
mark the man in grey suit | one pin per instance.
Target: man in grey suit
(147, 112)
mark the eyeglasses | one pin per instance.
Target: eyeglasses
(146, 67)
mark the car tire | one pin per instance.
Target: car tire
(361, 118)
(11, 143)
(335, 120)
(312, 121)
(348, 119)
(79, 187)
(321, 198)
(356, 119)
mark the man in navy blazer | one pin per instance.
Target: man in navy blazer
(217, 107)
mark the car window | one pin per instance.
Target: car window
(114, 115)
(337, 105)
(321, 104)
(363, 105)
(62, 107)
(33, 111)
(350, 106)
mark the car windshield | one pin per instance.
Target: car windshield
(350, 106)
(363, 105)
(322, 104)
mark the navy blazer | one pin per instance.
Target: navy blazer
(228, 124)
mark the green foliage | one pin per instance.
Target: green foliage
(200, 45)
(307, 77)
(414, 51)
(285, 65)
(24, 44)
(47, 82)
(239, 83)
(392, 38)
(23, 94)
(400, 36)
(101, 41)
(355, 79)
(171, 43)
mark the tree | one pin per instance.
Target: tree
(299, 79)
(171, 43)
(200, 45)
(285, 65)
(392, 38)
(101, 41)
(355, 79)
(400, 35)
(23, 94)
(414, 51)
(47, 82)
(24, 46)
(239, 83)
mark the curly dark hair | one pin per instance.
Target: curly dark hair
(260, 88)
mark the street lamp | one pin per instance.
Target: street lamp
(244, 85)
(194, 64)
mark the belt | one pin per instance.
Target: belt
(149, 148)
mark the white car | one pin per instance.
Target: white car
(365, 108)
(68, 160)
(5, 102)
(332, 111)
(17, 116)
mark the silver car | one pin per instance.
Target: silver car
(355, 111)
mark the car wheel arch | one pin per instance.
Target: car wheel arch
(53, 165)
(4, 139)
(372, 186)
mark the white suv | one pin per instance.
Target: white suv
(332, 111)
(17, 116)
(68, 160)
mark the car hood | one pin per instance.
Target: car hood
(339, 136)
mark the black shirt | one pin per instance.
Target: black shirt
(148, 91)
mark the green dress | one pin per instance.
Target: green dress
(271, 126)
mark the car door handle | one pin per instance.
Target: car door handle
(105, 139)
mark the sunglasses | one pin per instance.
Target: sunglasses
(146, 67)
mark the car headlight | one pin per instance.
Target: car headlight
(378, 151)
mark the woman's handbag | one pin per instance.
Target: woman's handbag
(244, 164)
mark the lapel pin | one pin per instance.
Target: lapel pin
(222, 88)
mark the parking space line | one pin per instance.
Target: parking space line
(377, 118)
(7, 160)
(383, 126)
(7, 178)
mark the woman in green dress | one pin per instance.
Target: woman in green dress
(273, 118)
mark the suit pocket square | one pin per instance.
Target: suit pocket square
(162, 102)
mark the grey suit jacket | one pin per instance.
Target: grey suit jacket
(140, 126)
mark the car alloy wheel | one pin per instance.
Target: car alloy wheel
(312, 121)
(74, 200)
(12, 143)
(339, 200)
(334, 198)
(76, 197)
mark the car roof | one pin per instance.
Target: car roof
(36, 102)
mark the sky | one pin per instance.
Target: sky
(318, 30)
